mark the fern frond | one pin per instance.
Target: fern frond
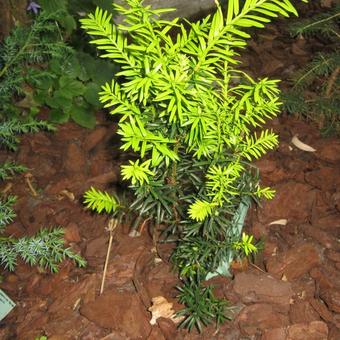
(100, 201)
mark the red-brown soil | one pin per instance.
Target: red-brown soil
(291, 291)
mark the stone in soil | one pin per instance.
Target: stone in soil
(75, 160)
(73, 326)
(328, 149)
(294, 262)
(71, 233)
(302, 312)
(325, 178)
(304, 288)
(167, 327)
(322, 310)
(96, 250)
(261, 287)
(95, 137)
(326, 276)
(324, 238)
(34, 214)
(292, 201)
(100, 163)
(332, 299)
(118, 310)
(256, 318)
(121, 267)
(333, 255)
(334, 333)
(315, 330)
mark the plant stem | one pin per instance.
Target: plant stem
(173, 183)
(331, 81)
(320, 21)
(111, 227)
(312, 70)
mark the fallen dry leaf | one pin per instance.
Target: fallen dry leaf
(162, 308)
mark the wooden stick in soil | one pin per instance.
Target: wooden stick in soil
(28, 176)
(7, 188)
(111, 227)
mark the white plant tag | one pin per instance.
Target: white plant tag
(6, 304)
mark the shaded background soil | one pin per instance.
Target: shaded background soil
(291, 291)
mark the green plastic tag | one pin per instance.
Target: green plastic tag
(6, 304)
(238, 222)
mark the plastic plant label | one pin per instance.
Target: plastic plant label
(6, 304)
(237, 222)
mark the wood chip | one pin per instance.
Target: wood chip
(300, 145)
(66, 193)
(282, 221)
(134, 233)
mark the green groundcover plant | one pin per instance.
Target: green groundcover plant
(194, 122)
(318, 83)
(39, 67)
(45, 249)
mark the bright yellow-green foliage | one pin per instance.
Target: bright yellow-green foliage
(189, 115)
(200, 210)
(246, 244)
(182, 94)
(137, 173)
(100, 201)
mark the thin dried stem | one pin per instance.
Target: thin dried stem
(28, 177)
(111, 227)
(331, 82)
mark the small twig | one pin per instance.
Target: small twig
(7, 188)
(111, 227)
(331, 81)
(143, 224)
(28, 177)
(258, 268)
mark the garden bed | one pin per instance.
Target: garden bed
(292, 288)
(291, 291)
